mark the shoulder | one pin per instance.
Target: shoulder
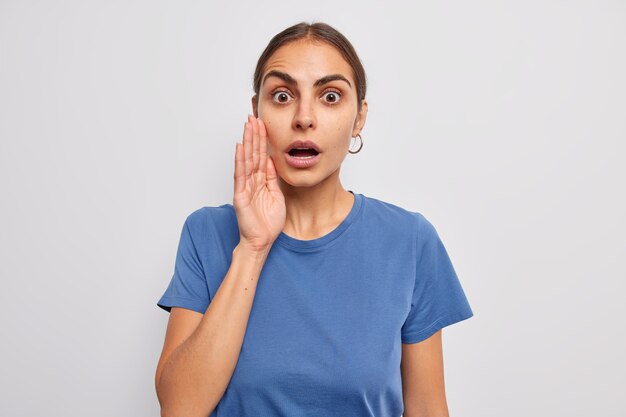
(401, 220)
(395, 215)
(209, 220)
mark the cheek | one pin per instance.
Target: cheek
(344, 137)
(271, 123)
(277, 131)
(271, 134)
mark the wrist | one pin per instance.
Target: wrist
(254, 252)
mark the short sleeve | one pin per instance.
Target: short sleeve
(438, 300)
(188, 287)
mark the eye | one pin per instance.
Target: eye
(333, 95)
(280, 94)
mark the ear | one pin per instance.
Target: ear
(254, 107)
(360, 119)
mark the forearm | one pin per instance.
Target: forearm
(434, 410)
(196, 374)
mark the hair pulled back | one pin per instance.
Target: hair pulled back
(321, 32)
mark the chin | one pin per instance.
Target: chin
(300, 182)
(306, 179)
(300, 178)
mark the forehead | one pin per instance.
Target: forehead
(304, 60)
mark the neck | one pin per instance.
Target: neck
(314, 211)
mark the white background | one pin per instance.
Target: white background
(502, 122)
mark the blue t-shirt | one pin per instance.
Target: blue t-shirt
(329, 314)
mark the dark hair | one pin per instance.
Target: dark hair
(317, 31)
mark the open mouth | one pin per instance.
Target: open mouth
(303, 152)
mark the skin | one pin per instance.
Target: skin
(270, 196)
(315, 199)
(423, 385)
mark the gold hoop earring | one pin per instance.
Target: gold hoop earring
(358, 150)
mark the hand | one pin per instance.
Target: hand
(258, 201)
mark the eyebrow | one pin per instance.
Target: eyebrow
(290, 80)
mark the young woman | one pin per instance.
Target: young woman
(302, 298)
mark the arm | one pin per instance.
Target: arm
(198, 360)
(201, 351)
(423, 387)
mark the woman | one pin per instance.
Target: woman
(302, 298)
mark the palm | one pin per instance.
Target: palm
(258, 201)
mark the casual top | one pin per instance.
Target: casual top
(329, 314)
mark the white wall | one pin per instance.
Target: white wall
(503, 122)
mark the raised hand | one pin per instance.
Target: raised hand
(259, 203)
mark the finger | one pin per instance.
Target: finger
(272, 177)
(247, 148)
(255, 144)
(263, 147)
(240, 169)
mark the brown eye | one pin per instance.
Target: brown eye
(280, 96)
(332, 97)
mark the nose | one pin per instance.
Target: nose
(304, 117)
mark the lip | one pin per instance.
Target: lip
(307, 162)
(303, 144)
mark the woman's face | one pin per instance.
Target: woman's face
(294, 108)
